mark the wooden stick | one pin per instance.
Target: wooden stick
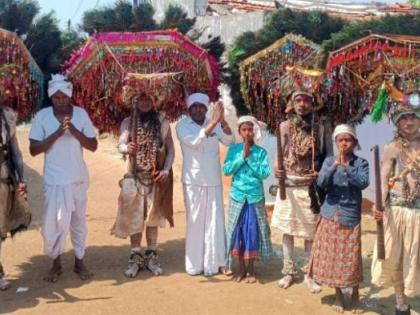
(280, 164)
(379, 204)
(133, 136)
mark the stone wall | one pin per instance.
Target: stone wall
(192, 7)
(228, 27)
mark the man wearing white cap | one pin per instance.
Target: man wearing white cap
(61, 132)
(201, 176)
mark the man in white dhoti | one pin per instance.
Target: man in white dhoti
(61, 132)
(201, 176)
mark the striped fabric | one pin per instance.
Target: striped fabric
(235, 209)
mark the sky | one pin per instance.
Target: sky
(70, 9)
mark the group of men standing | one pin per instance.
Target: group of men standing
(62, 131)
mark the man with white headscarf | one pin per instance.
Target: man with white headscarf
(61, 132)
(201, 176)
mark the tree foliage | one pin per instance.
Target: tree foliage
(176, 17)
(415, 3)
(119, 18)
(43, 40)
(17, 15)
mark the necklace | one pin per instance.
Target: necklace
(410, 161)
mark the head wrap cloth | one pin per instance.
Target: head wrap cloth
(255, 123)
(198, 98)
(57, 83)
(347, 129)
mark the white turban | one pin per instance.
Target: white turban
(59, 83)
(296, 93)
(344, 128)
(256, 124)
(198, 98)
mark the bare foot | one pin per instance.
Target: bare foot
(338, 305)
(4, 285)
(285, 282)
(312, 286)
(356, 306)
(241, 276)
(55, 271)
(81, 270)
(250, 278)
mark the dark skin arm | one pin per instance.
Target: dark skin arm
(38, 147)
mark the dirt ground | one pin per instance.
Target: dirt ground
(109, 292)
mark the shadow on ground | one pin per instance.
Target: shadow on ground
(107, 264)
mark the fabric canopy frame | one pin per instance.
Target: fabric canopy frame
(21, 79)
(98, 70)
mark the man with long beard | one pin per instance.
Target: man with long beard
(145, 201)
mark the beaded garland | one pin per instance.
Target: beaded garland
(21, 80)
(262, 72)
(355, 73)
(98, 69)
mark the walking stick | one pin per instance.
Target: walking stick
(133, 135)
(280, 164)
(379, 204)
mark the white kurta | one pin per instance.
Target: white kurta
(201, 176)
(66, 181)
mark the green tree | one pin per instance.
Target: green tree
(119, 17)
(143, 18)
(415, 3)
(71, 40)
(176, 17)
(43, 40)
(17, 15)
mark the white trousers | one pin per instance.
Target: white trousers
(65, 211)
(206, 239)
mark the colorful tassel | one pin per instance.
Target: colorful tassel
(379, 106)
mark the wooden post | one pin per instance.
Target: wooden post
(280, 164)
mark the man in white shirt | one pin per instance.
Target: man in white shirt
(201, 177)
(61, 132)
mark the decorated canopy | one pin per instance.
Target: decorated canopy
(356, 73)
(262, 73)
(164, 63)
(21, 80)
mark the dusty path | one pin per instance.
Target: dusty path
(109, 292)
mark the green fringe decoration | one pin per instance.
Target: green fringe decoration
(378, 108)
